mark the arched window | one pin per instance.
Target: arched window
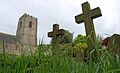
(30, 24)
(20, 24)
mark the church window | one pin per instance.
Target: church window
(20, 24)
(30, 24)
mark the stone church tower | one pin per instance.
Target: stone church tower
(25, 40)
(27, 33)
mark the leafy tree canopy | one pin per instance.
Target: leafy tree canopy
(67, 38)
(80, 43)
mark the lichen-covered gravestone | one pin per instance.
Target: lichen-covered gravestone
(114, 44)
(87, 17)
(54, 35)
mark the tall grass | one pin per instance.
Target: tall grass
(57, 63)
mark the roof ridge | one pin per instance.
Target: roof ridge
(7, 34)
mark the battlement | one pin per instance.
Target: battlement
(26, 15)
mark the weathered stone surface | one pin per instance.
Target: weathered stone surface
(54, 34)
(87, 17)
(25, 39)
(27, 31)
(113, 44)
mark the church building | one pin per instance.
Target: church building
(25, 39)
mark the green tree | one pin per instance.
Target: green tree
(80, 43)
(67, 38)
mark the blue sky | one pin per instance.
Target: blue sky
(62, 12)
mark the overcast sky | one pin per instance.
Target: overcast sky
(62, 12)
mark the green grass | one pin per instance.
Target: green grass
(57, 63)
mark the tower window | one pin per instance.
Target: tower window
(30, 24)
(20, 24)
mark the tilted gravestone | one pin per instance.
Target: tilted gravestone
(54, 35)
(113, 44)
(87, 17)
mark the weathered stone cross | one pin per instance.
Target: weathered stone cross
(54, 34)
(87, 17)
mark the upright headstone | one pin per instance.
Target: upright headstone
(87, 17)
(54, 34)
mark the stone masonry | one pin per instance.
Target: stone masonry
(25, 39)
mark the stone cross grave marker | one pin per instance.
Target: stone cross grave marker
(54, 34)
(87, 17)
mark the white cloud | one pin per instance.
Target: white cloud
(62, 12)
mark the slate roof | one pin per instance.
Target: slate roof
(8, 38)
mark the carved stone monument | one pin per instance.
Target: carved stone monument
(87, 17)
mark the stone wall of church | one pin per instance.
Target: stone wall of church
(26, 36)
(27, 32)
(9, 48)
